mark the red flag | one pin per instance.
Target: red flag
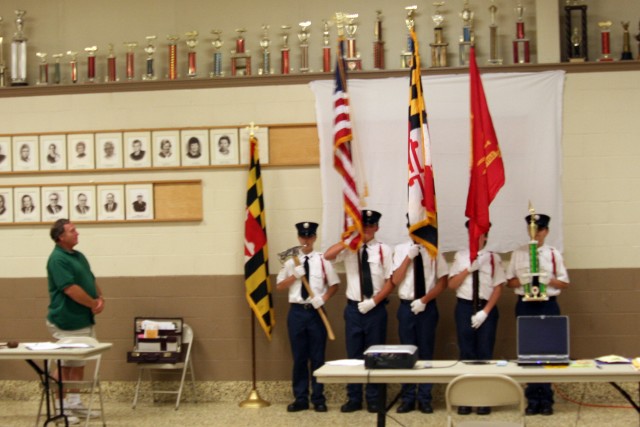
(487, 169)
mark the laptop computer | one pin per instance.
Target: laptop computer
(543, 340)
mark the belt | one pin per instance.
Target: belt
(352, 302)
(550, 299)
(469, 302)
(406, 301)
(302, 306)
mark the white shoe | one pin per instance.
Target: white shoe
(78, 408)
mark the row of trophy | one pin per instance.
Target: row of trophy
(574, 44)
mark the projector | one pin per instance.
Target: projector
(390, 357)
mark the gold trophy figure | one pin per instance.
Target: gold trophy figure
(536, 289)
(405, 55)
(626, 42)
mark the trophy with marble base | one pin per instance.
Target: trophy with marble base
(468, 36)
(535, 289)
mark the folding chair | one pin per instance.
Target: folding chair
(89, 386)
(184, 366)
(484, 390)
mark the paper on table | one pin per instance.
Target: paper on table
(346, 362)
(612, 358)
(54, 345)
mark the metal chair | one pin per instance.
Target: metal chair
(484, 390)
(184, 366)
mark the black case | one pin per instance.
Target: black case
(166, 348)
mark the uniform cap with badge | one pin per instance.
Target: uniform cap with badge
(370, 217)
(541, 220)
(307, 229)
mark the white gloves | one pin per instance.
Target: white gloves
(414, 250)
(367, 305)
(417, 306)
(298, 271)
(478, 319)
(475, 265)
(317, 302)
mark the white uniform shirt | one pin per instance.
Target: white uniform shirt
(321, 276)
(380, 261)
(433, 270)
(491, 274)
(550, 263)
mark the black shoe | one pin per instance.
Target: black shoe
(532, 410)
(351, 406)
(546, 409)
(406, 407)
(297, 406)
(425, 407)
(373, 407)
(464, 410)
(320, 407)
(483, 410)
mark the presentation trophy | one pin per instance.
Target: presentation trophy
(468, 37)
(192, 42)
(493, 36)
(266, 54)
(149, 49)
(303, 37)
(378, 43)
(326, 47)
(2, 66)
(43, 69)
(605, 41)
(439, 46)
(535, 290)
(575, 32)
(57, 71)
(111, 65)
(521, 52)
(173, 56)
(19, 52)
(285, 64)
(240, 58)
(217, 55)
(91, 63)
(131, 60)
(353, 61)
(626, 42)
(73, 66)
(406, 55)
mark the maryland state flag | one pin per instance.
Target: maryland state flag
(423, 217)
(343, 159)
(256, 254)
(487, 169)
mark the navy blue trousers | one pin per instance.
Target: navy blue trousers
(308, 338)
(475, 344)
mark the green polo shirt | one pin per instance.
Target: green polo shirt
(65, 269)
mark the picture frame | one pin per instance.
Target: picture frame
(111, 202)
(82, 203)
(26, 204)
(224, 146)
(6, 205)
(25, 153)
(5, 154)
(81, 151)
(195, 147)
(139, 201)
(108, 150)
(262, 134)
(137, 149)
(53, 152)
(166, 148)
(55, 203)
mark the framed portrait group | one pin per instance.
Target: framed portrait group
(108, 202)
(122, 149)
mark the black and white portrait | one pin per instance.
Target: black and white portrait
(139, 201)
(54, 203)
(6, 205)
(53, 152)
(111, 201)
(224, 147)
(82, 203)
(195, 147)
(5, 154)
(166, 148)
(25, 153)
(26, 203)
(138, 153)
(108, 150)
(80, 151)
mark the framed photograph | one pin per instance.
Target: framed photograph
(137, 148)
(25, 153)
(5, 154)
(262, 135)
(224, 146)
(80, 151)
(53, 152)
(6, 205)
(55, 203)
(109, 150)
(166, 148)
(82, 203)
(110, 201)
(26, 204)
(195, 147)
(139, 201)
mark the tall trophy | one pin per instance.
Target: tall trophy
(2, 66)
(378, 43)
(468, 37)
(326, 47)
(192, 42)
(626, 42)
(407, 54)
(131, 60)
(19, 52)
(57, 71)
(575, 32)
(439, 46)
(173, 56)
(521, 52)
(217, 55)
(285, 65)
(266, 53)
(303, 37)
(73, 66)
(111, 65)
(352, 59)
(240, 58)
(493, 36)
(43, 69)
(149, 49)
(605, 41)
(91, 63)
(638, 38)
(535, 290)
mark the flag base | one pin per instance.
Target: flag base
(254, 401)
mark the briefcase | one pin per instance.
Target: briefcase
(157, 340)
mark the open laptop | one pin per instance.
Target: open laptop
(543, 340)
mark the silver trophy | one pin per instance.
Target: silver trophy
(43, 69)
(493, 36)
(217, 55)
(266, 53)
(2, 67)
(303, 36)
(19, 52)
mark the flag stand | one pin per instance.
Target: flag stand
(254, 400)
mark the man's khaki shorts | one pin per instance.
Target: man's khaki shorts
(58, 333)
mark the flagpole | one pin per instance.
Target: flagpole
(254, 400)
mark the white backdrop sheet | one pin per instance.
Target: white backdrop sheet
(527, 115)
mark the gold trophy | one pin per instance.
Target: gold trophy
(406, 55)
(240, 57)
(192, 42)
(468, 36)
(378, 43)
(626, 42)
(439, 46)
(352, 59)
(535, 290)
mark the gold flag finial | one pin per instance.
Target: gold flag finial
(252, 128)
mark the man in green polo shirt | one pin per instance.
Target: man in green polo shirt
(75, 299)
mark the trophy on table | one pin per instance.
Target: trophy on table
(173, 56)
(111, 65)
(493, 36)
(468, 36)
(535, 290)
(91, 63)
(131, 60)
(149, 49)
(575, 32)
(57, 71)
(521, 52)
(326, 47)
(73, 66)
(284, 50)
(303, 37)
(626, 42)
(240, 58)
(378, 43)
(352, 59)
(406, 55)
(192, 42)
(43, 69)
(2, 67)
(217, 55)
(266, 54)
(19, 52)
(605, 41)
(439, 46)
